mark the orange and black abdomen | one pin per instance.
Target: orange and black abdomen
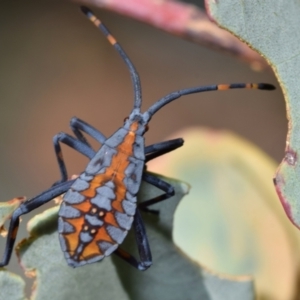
(98, 210)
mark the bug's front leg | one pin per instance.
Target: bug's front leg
(25, 208)
(74, 144)
(162, 148)
(78, 125)
(79, 143)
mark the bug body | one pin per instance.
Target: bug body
(98, 210)
(100, 206)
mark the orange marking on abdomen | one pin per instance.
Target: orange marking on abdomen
(90, 193)
(117, 205)
(72, 238)
(91, 250)
(116, 171)
(102, 235)
(110, 219)
(97, 181)
(119, 165)
(84, 206)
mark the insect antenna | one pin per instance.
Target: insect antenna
(219, 87)
(133, 73)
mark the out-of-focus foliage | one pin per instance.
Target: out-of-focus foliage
(6, 210)
(233, 221)
(272, 28)
(172, 276)
(11, 286)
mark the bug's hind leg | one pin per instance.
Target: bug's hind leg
(162, 185)
(25, 208)
(75, 144)
(162, 148)
(142, 244)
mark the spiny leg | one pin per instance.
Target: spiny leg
(142, 244)
(162, 148)
(78, 125)
(162, 185)
(80, 144)
(25, 208)
(152, 152)
(74, 144)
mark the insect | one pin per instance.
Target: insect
(100, 206)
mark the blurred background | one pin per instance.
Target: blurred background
(54, 64)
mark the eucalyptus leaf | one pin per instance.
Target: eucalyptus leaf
(272, 28)
(41, 257)
(172, 276)
(11, 286)
(232, 221)
(7, 208)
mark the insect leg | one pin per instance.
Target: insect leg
(142, 244)
(162, 185)
(73, 143)
(25, 208)
(162, 148)
(78, 125)
(152, 152)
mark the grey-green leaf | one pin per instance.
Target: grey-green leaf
(42, 257)
(7, 208)
(173, 275)
(11, 286)
(272, 28)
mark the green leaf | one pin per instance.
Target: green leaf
(272, 28)
(6, 210)
(232, 221)
(11, 286)
(41, 257)
(172, 276)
